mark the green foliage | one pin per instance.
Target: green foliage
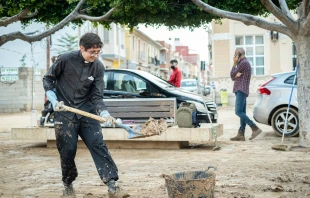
(171, 13)
(67, 43)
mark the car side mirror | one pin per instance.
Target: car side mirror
(144, 92)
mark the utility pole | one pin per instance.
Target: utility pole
(48, 51)
(48, 55)
(119, 45)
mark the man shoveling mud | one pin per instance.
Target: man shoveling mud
(76, 78)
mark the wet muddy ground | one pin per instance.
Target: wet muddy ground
(244, 169)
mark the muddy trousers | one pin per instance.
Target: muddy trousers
(240, 110)
(67, 132)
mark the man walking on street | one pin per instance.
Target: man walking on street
(176, 76)
(241, 75)
(76, 78)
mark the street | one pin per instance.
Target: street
(244, 169)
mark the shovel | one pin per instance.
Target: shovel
(133, 133)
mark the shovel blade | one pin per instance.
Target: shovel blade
(132, 133)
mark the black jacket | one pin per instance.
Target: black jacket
(77, 83)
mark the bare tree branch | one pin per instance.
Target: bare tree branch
(245, 18)
(79, 5)
(281, 15)
(5, 21)
(31, 15)
(74, 15)
(96, 19)
(285, 9)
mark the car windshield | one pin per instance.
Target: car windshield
(188, 84)
(158, 81)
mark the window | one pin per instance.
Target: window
(122, 39)
(106, 37)
(188, 83)
(127, 83)
(105, 79)
(290, 80)
(254, 52)
(117, 35)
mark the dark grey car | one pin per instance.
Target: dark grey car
(126, 83)
(271, 104)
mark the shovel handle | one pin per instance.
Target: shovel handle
(80, 112)
(132, 133)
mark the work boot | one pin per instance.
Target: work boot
(239, 136)
(68, 190)
(115, 191)
(255, 131)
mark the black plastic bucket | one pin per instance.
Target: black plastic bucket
(192, 184)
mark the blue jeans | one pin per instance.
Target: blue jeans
(240, 110)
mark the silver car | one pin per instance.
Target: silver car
(271, 104)
(191, 85)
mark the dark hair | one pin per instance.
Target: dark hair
(90, 40)
(174, 61)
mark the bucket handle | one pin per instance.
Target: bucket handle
(214, 168)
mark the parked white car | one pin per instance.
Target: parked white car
(271, 104)
(191, 85)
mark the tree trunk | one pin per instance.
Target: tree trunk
(303, 55)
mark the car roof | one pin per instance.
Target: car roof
(142, 73)
(188, 80)
(132, 70)
(283, 74)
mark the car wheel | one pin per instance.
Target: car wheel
(278, 122)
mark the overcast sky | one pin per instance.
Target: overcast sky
(197, 40)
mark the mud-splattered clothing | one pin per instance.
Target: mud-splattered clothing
(67, 132)
(79, 84)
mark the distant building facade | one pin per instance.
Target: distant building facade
(268, 53)
(142, 52)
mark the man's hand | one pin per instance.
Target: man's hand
(51, 96)
(238, 75)
(110, 121)
(236, 59)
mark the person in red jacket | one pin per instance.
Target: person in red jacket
(176, 76)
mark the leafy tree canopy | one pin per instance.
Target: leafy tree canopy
(171, 13)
